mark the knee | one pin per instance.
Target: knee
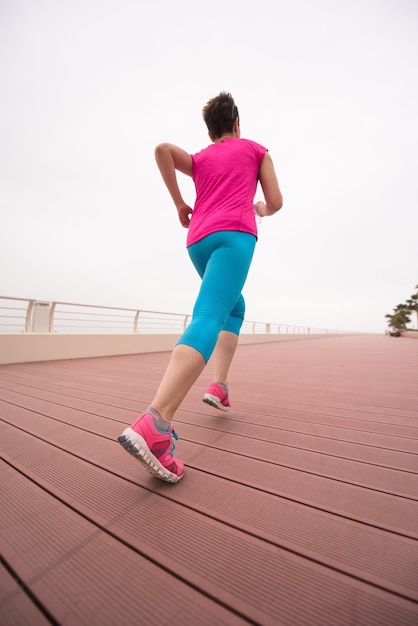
(236, 317)
(239, 309)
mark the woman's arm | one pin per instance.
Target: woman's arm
(271, 190)
(169, 159)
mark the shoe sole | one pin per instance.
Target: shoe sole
(136, 445)
(215, 402)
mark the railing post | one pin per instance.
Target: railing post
(28, 315)
(51, 317)
(136, 321)
(39, 319)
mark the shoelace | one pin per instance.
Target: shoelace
(172, 444)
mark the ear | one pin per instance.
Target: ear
(236, 128)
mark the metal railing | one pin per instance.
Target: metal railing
(25, 315)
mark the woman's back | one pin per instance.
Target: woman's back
(225, 175)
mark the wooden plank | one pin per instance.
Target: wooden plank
(85, 575)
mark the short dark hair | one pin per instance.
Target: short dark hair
(220, 114)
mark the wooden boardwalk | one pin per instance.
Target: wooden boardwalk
(299, 507)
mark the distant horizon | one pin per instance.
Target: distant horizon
(90, 305)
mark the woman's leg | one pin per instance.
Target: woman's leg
(222, 261)
(228, 341)
(223, 355)
(185, 366)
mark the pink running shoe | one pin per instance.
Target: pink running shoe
(217, 396)
(153, 448)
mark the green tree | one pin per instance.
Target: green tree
(412, 303)
(399, 318)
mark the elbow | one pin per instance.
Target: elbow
(279, 204)
(163, 151)
(163, 155)
(160, 149)
(275, 205)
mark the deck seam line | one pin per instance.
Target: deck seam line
(27, 590)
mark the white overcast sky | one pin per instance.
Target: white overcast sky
(89, 87)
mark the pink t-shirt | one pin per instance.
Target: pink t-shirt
(225, 175)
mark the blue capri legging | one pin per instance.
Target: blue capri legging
(222, 260)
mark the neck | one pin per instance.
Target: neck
(228, 136)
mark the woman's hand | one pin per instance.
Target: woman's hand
(260, 209)
(184, 213)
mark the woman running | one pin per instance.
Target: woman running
(222, 233)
